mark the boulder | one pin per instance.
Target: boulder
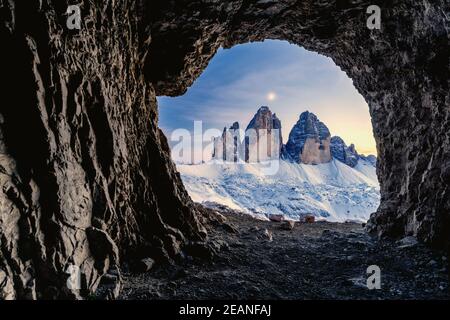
(143, 265)
(276, 217)
(267, 234)
(308, 219)
(407, 242)
(288, 225)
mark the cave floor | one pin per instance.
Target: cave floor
(313, 261)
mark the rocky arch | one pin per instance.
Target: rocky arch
(86, 177)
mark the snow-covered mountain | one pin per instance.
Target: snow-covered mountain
(314, 174)
(333, 191)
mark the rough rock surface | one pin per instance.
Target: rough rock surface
(309, 141)
(258, 134)
(320, 260)
(342, 152)
(401, 70)
(264, 119)
(86, 179)
(348, 154)
(262, 145)
(228, 147)
(370, 158)
(85, 175)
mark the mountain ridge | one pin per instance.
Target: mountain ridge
(330, 191)
(310, 142)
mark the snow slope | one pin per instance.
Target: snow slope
(331, 191)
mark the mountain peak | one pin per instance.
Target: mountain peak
(342, 152)
(235, 126)
(264, 119)
(309, 140)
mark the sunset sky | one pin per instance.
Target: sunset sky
(284, 77)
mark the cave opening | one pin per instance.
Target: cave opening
(91, 189)
(271, 129)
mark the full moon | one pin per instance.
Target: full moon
(271, 96)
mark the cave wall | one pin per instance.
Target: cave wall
(85, 173)
(401, 70)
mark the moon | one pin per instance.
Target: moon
(271, 96)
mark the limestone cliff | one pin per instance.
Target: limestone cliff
(344, 153)
(309, 141)
(263, 140)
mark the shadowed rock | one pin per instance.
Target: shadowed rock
(80, 141)
(309, 141)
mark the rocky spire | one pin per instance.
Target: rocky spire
(228, 146)
(276, 124)
(344, 153)
(235, 126)
(260, 141)
(348, 154)
(309, 141)
(268, 143)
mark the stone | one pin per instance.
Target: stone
(276, 217)
(229, 228)
(220, 217)
(288, 225)
(407, 242)
(308, 219)
(267, 235)
(432, 263)
(201, 250)
(143, 265)
(109, 279)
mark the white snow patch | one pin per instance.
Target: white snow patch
(332, 191)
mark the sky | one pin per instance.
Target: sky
(285, 77)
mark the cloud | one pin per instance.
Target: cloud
(237, 82)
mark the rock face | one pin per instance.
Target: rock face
(85, 174)
(343, 153)
(229, 147)
(408, 108)
(348, 154)
(263, 140)
(309, 141)
(370, 158)
(264, 119)
(86, 178)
